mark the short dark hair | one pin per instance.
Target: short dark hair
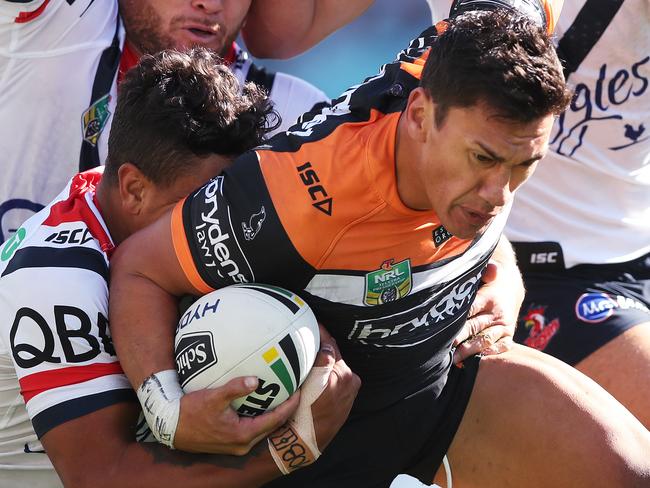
(174, 106)
(497, 57)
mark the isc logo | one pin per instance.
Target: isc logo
(322, 201)
(543, 258)
(75, 236)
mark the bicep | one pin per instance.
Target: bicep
(149, 255)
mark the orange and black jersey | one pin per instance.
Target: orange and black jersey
(318, 212)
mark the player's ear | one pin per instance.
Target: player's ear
(133, 186)
(418, 114)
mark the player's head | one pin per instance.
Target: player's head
(154, 25)
(497, 57)
(490, 90)
(181, 117)
(543, 12)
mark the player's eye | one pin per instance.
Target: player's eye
(484, 159)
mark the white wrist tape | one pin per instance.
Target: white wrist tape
(160, 396)
(294, 444)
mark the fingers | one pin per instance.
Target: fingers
(495, 339)
(335, 402)
(327, 339)
(472, 327)
(324, 334)
(502, 345)
(326, 356)
(254, 429)
(343, 374)
(235, 388)
(480, 304)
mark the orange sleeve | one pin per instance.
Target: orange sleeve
(182, 250)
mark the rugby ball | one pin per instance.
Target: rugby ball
(249, 329)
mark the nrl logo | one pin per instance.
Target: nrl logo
(254, 224)
(389, 283)
(94, 119)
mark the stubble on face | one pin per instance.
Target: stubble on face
(144, 27)
(148, 33)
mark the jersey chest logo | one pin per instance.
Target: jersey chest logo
(254, 224)
(94, 119)
(389, 283)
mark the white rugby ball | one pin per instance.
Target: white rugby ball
(249, 329)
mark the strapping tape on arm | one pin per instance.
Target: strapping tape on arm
(294, 445)
(160, 397)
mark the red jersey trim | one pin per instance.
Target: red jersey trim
(24, 17)
(33, 384)
(231, 55)
(75, 208)
(128, 60)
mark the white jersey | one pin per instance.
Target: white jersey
(57, 360)
(591, 194)
(58, 75)
(50, 52)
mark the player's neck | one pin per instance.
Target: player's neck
(407, 154)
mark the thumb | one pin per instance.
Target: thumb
(235, 388)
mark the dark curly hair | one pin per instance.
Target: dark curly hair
(498, 57)
(174, 105)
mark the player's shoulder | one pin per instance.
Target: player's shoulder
(68, 233)
(42, 26)
(292, 87)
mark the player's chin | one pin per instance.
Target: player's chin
(188, 38)
(465, 230)
(467, 225)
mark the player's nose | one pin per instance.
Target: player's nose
(496, 188)
(208, 6)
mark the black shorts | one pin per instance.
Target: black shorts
(570, 313)
(412, 436)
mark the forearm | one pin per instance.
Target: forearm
(151, 464)
(98, 450)
(283, 28)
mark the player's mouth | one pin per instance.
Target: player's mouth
(202, 33)
(477, 218)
